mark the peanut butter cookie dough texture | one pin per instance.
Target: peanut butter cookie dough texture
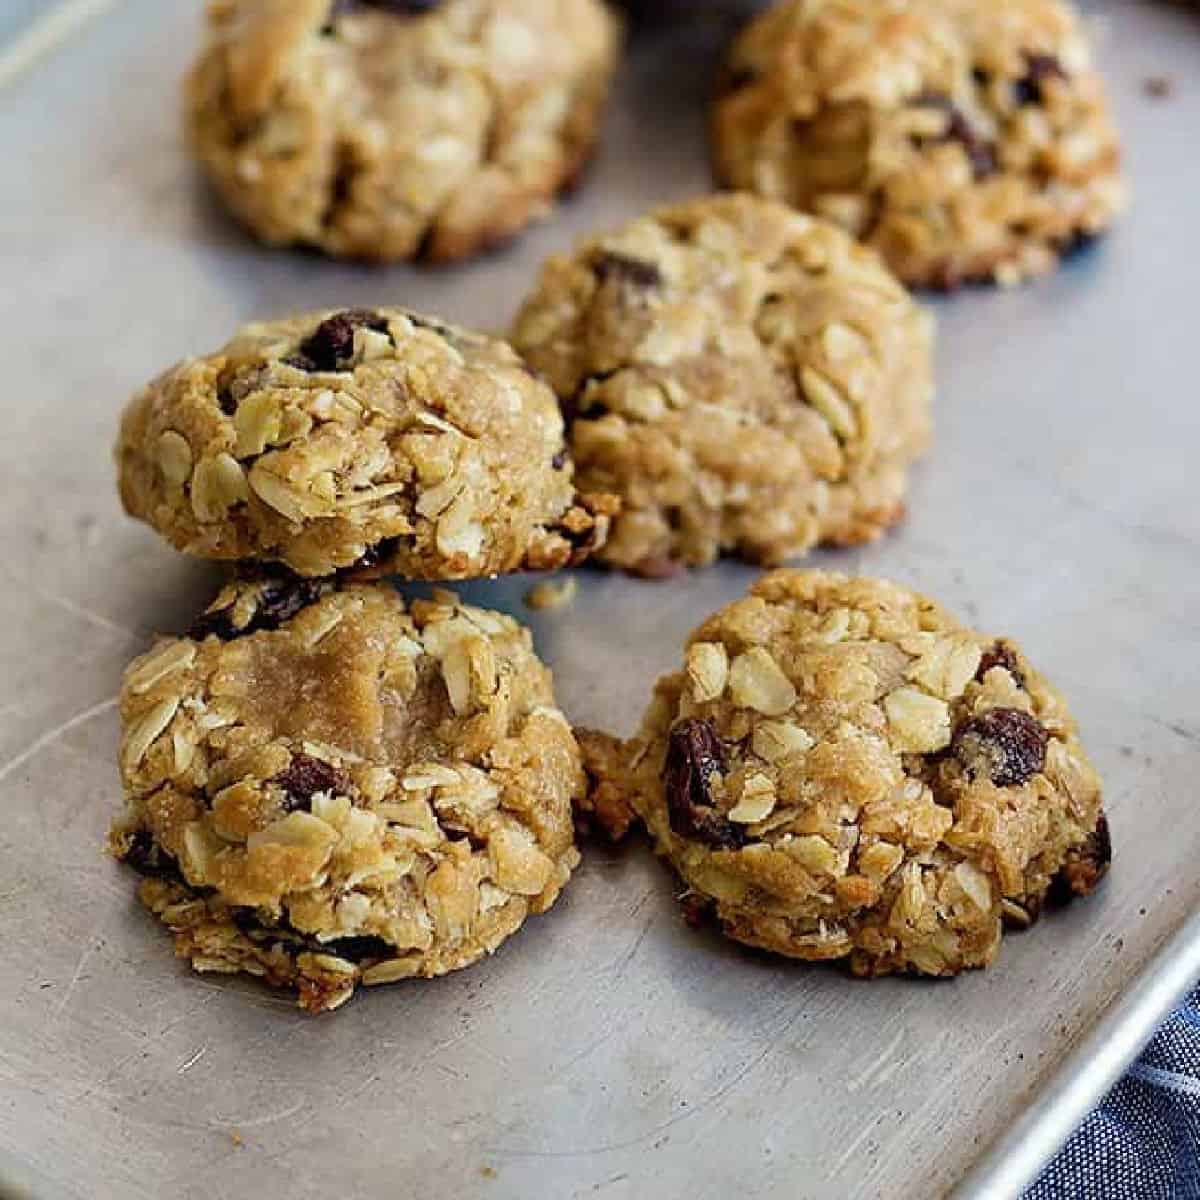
(963, 139)
(841, 770)
(392, 129)
(326, 787)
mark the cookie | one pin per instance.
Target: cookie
(326, 788)
(966, 140)
(374, 439)
(841, 770)
(746, 378)
(392, 129)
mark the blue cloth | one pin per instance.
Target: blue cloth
(1143, 1142)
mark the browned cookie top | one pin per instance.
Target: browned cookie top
(324, 786)
(746, 378)
(964, 139)
(843, 770)
(388, 129)
(375, 438)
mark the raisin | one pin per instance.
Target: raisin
(981, 154)
(305, 777)
(698, 911)
(355, 949)
(1001, 654)
(346, 170)
(148, 858)
(1039, 67)
(331, 345)
(695, 753)
(1086, 865)
(624, 269)
(280, 599)
(246, 919)
(1005, 743)
(228, 401)
(279, 932)
(559, 460)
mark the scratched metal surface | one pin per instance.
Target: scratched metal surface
(607, 1049)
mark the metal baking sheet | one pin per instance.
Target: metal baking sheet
(607, 1050)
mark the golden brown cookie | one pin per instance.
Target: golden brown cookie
(841, 770)
(746, 378)
(963, 139)
(372, 438)
(325, 787)
(388, 129)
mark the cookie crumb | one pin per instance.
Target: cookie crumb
(552, 593)
(236, 1138)
(606, 803)
(489, 1172)
(1159, 87)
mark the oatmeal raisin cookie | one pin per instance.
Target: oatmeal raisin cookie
(746, 378)
(843, 771)
(388, 129)
(963, 139)
(326, 788)
(372, 438)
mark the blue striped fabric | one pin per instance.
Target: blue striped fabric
(1143, 1142)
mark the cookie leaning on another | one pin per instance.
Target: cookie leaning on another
(326, 788)
(378, 439)
(392, 129)
(841, 770)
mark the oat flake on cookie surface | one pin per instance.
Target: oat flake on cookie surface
(374, 438)
(746, 378)
(392, 129)
(964, 139)
(841, 770)
(326, 787)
